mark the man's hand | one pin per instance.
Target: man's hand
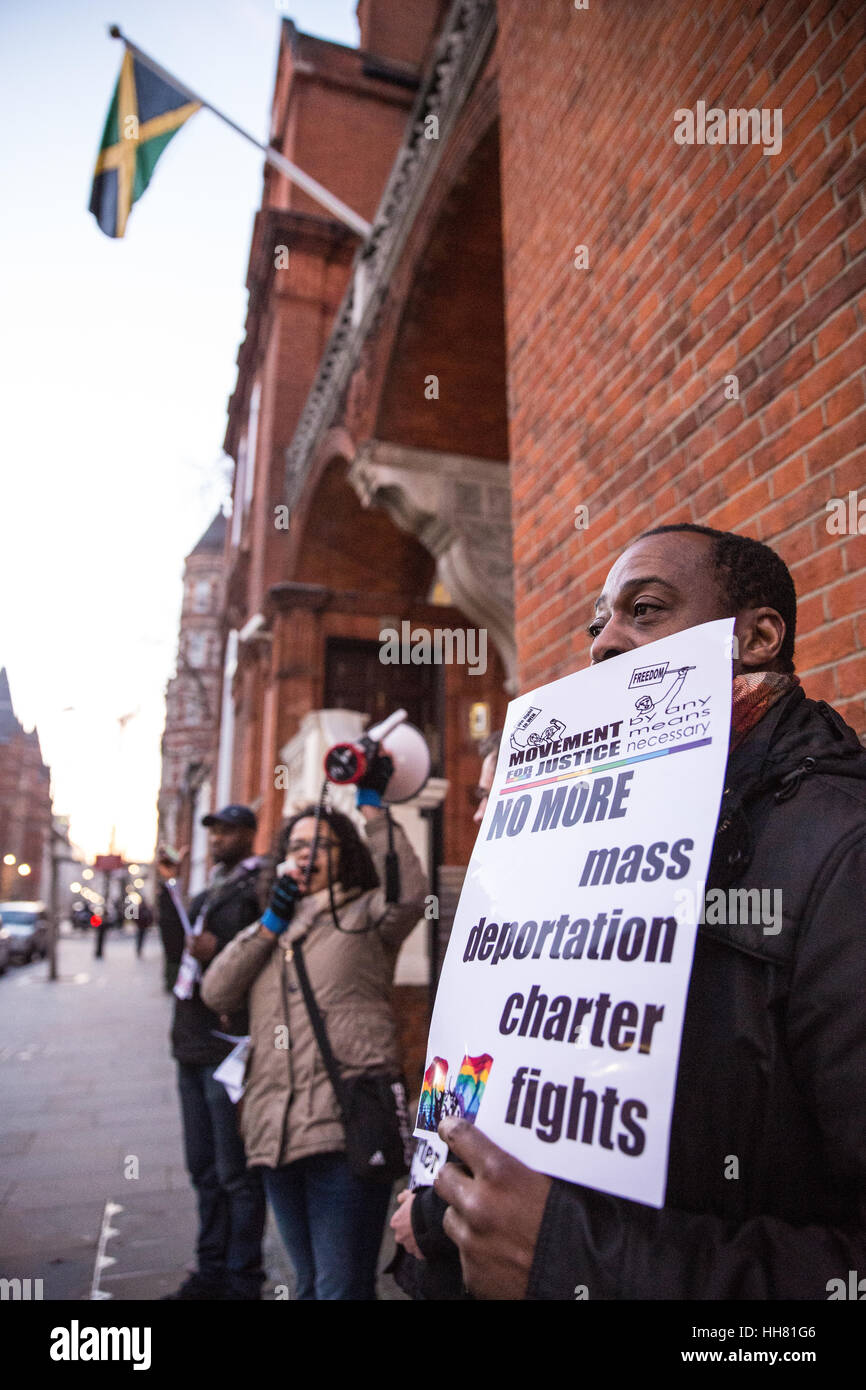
(203, 947)
(401, 1224)
(494, 1211)
(168, 866)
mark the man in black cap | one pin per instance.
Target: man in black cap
(231, 1204)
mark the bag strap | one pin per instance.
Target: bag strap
(318, 1025)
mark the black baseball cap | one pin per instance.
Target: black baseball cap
(234, 816)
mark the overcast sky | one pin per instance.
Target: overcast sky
(117, 359)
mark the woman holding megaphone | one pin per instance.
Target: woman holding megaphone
(321, 1107)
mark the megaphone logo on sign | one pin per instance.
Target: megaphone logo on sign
(521, 739)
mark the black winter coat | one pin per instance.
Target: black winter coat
(773, 1062)
(232, 905)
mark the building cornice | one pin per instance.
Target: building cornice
(460, 52)
(288, 598)
(282, 598)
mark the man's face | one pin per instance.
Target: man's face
(661, 584)
(485, 782)
(229, 844)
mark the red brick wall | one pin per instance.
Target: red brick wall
(704, 260)
(303, 301)
(340, 126)
(400, 31)
(346, 546)
(452, 327)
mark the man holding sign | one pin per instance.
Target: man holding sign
(689, 1069)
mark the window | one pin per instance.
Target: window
(196, 648)
(201, 596)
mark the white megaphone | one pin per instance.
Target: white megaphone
(405, 746)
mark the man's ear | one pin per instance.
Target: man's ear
(760, 633)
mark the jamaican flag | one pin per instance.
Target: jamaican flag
(144, 114)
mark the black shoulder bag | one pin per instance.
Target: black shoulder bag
(372, 1106)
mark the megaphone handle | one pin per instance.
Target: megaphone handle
(380, 731)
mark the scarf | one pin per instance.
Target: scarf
(311, 907)
(752, 695)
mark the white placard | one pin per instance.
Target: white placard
(430, 1153)
(559, 1011)
(232, 1069)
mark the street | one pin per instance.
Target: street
(90, 1117)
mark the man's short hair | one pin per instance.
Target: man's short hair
(750, 575)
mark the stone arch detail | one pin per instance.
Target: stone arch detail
(459, 508)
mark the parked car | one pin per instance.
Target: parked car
(5, 954)
(24, 928)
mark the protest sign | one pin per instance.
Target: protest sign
(559, 1011)
(430, 1153)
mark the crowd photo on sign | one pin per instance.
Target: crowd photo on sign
(433, 784)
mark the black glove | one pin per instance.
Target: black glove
(371, 786)
(281, 909)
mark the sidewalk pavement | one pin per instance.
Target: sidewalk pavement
(90, 1117)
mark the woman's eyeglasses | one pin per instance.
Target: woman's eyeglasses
(298, 846)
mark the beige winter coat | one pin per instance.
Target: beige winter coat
(289, 1109)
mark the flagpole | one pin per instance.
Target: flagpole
(310, 185)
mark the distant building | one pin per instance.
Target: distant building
(25, 805)
(192, 704)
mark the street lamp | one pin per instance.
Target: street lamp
(9, 859)
(24, 870)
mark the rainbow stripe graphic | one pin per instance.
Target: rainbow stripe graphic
(432, 1093)
(604, 767)
(469, 1087)
(439, 1098)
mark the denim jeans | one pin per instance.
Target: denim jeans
(331, 1223)
(231, 1200)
